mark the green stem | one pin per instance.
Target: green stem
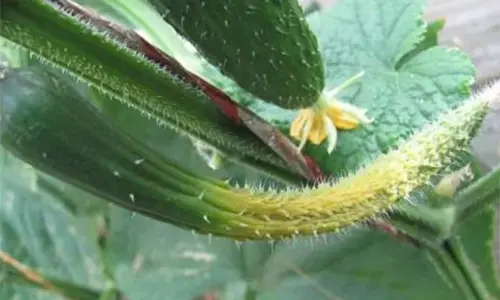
(110, 294)
(427, 225)
(456, 251)
(477, 196)
(448, 268)
(452, 261)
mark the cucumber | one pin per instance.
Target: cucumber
(47, 124)
(266, 46)
(156, 88)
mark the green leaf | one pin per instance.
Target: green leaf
(159, 261)
(430, 39)
(379, 267)
(37, 231)
(163, 262)
(373, 35)
(154, 260)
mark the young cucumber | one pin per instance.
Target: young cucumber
(51, 127)
(266, 46)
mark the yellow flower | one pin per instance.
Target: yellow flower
(322, 120)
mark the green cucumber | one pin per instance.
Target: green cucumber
(266, 46)
(95, 58)
(47, 124)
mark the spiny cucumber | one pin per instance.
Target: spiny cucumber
(49, 126)
(78, 49)
(266, 46)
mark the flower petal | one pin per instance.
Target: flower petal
(299, 123)
(342, 120)
(332, 134)
(356, 112)
(305, 133)
(318, 132)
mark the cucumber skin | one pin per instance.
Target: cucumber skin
(164, 95)
(48, 125)
(266, 46)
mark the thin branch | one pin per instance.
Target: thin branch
(29, 274)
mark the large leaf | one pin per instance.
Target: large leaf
(153, 260)
(373, 35)
(381, 268)
(158, 261)
(38, 232)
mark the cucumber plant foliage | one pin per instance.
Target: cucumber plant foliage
(86, 137)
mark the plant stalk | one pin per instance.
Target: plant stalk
(457, 253)
(447, 267)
